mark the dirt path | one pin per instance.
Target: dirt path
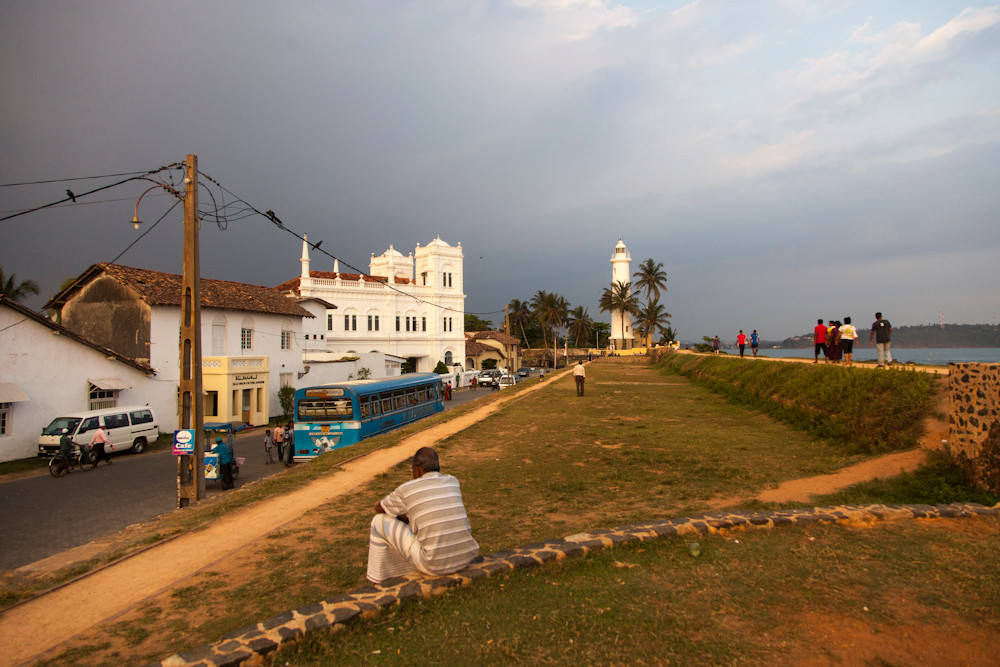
(36, 626)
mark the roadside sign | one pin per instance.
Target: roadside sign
(184, 441)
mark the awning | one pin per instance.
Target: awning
(11, 393)
(109, 384)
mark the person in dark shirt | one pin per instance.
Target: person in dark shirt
(882, 335)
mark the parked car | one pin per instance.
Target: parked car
(508, 381)
(489, 378)
(523, 372)
(128, 427)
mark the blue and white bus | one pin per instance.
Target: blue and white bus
(337, 415)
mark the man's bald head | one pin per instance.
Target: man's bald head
(427, 460)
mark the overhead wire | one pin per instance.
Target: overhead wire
(76, 178)
(73, 197)
(273, 219)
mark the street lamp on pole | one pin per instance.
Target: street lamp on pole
(190, 467)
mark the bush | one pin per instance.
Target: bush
(441, 369)
(286, 396)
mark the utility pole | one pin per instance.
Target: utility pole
(191, 467)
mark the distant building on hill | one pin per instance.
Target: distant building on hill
(622, 337)
(410, 306)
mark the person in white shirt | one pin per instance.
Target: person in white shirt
(848, 336)
(580, 375)
(421, 526)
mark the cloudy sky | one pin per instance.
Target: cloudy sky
(784, 160)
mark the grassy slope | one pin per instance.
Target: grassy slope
(641, 444)
(855, 408)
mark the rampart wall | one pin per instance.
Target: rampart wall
(974, 421)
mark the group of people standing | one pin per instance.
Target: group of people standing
(836, 340)
(282, 440)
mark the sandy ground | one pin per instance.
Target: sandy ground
(38, 625)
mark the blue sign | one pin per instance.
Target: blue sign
(184, 441)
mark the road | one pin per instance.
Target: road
(43, 516)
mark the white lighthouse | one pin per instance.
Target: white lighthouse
(621, 322)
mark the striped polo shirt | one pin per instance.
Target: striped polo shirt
(434, 505)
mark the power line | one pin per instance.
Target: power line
(273, 219)
(91, 203)
(77, 178)
(73, 197)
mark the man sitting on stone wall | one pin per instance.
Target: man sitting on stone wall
(421, 526)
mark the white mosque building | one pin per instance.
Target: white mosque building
(622, 337)
(407, 306)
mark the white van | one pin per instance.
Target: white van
(128, 427)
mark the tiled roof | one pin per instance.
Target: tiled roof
(62, 331)
(474, 349)
(164, 289)
(498, 336)
(293, 284)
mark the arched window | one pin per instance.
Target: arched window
(246, 334)
(286, 335)
(447, 358)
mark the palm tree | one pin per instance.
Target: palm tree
(551, 310)
(619, 297)
(519, 312)
(580, 324)
(668, 335)
(538, 308)
(15, 291)
(651, 318)
(651, 278)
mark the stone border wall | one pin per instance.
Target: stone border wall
(336, 611)
(974, 421)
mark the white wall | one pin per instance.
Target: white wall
(53, 370)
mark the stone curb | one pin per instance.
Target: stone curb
(338, 610)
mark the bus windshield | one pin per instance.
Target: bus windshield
(325, 409)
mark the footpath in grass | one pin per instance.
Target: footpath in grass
(639, 445)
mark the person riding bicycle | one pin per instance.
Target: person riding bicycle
(66, 448)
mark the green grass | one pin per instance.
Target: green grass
(859, 410)
(746, 600)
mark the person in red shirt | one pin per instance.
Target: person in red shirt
(819, 336)
(741, 340)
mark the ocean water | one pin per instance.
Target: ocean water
(917, 355)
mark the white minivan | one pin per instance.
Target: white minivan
(128, 427)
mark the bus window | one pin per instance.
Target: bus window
(325, 409)
(363, 403)
(386, 400)
(399, 399)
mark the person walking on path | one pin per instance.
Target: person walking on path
(754, 342)
(819, 337)
(421, 526)
(741, 340)
(225, 463)
(848, 336)
(580, 376)
(882, 333)
(268, 447)
(715, 344)
(97, 444)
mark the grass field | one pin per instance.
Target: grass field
(641, 444)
